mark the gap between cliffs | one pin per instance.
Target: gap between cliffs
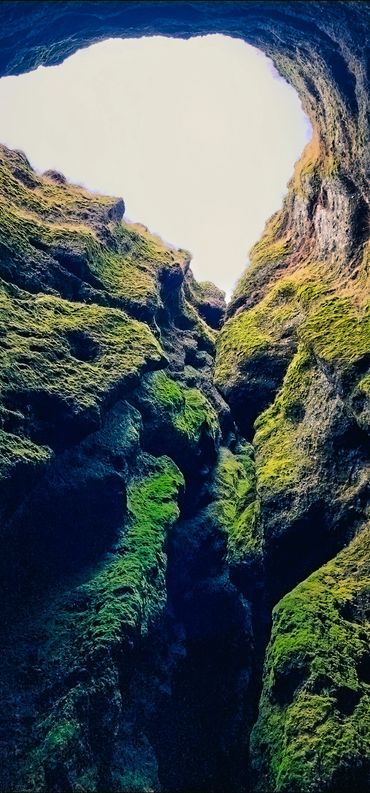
(143, 670)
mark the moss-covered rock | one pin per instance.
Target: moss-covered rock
(303, 347)
(207, 299)
(178, 421)
(236, 504)
(70, 355)
(85, 680)
(88, 305)
(90, 635)
(313, 728)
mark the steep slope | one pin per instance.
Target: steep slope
(91, 306)
(313, 730)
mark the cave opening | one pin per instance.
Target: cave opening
(173, 708)
(199, 136)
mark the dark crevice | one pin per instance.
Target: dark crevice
(202, 724)
(200, 730)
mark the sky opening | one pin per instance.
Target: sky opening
(199, 137)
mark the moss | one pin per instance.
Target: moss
(236, 504)
(59, 738)
(95, 623)
(206, 298)
(56, 750)
(337, 332)
(131, 589)
(23, 188)
(62, 362)
(301, 306)
(38, 221)
(128, 272)
(252, 332)
(314, 166)
(38, 356)
(132, 270)
(17, 451)
(188, 409)
(280, 460)
(205, 334)
(364, 385)
(270, 251)
(313, 726)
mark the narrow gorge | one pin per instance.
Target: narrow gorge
(185, 565)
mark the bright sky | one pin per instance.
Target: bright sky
(199, 137)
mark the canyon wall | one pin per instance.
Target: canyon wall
(184, 489)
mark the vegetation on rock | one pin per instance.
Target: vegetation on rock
(236, 505)
(151, 522)
(313, 730)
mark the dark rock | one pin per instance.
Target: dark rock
(139, 640)
(55, 176)
(117, 211)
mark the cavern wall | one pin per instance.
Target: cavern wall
(169, 477)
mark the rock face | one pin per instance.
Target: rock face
(167, 485)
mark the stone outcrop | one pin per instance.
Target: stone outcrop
(170, 477)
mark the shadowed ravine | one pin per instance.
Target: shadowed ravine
(183, 489)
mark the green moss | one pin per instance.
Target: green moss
(336, 331)
(236, 504)
(255, 331)
(364, 384)
(187, 408)
(96, 622)
(128, 272)
(37, 354)
(204, 294)
(206, 336)
(313, 168)
(280, 460)
(16, 451)
(131, 271)
(60, 359)
(131, 589)
(36, 222)
(56, 749)
(310, 289)
(42, 221)
(270, 249)
(266, 255)
(23, 188)
(327, 327)
(331, 326)
(59, 738)
(314, 720)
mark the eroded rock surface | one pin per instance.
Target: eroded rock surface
(169, 479)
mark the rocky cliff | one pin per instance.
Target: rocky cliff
(184, 493)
